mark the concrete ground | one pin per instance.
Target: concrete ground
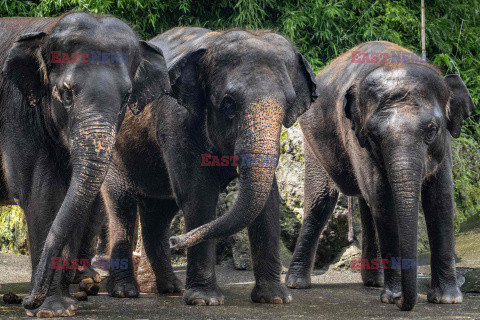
(334, 295)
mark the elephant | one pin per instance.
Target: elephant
(231, 92)
(380, 131)
(65, 86)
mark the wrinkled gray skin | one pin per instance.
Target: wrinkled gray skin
(88, 279)
(234, 91)
(382, 132)
(58, 124)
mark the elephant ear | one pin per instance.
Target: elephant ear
(461, 104)
(150, 80)
(305, 88)
(352, 112)
(186, 86)
(25, 67)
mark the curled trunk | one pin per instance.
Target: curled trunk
(259, 135)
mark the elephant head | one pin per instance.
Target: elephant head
(78, 77)
(403, 115)
(246, 85)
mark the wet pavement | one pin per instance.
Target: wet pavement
(334, 295)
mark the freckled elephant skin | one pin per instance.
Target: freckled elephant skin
(58, 123)
(381, 131)
(232, 91)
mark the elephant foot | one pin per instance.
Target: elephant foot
(296, 281)
(126, 287)
(88, 280)
(450, 294)
(169, 285)
(201, 296)
(271, 292)
(389, 296)
(89, 286)
(400, 302)
(372, 278)
(55, 306)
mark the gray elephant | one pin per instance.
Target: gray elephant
(65, 86)
(381, 131)
(232, 91)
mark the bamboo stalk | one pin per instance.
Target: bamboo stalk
(424, 51)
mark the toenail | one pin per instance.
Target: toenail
(198, 302)
(276, 300)
(45, 314)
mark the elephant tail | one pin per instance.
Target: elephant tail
(351, 233)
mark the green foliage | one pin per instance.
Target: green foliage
(13, 230)
(466, 175)
(321, 30)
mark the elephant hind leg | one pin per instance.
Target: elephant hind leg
(320, 198)
(383, 212)
(155, 217)
(88, 279)
(122, 213)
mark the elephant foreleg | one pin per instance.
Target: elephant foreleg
(438, 206)
(155, 217)
(264, 234)
(41, 200)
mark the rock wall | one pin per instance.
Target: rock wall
(290, 176)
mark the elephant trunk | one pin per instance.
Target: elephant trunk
(258, 139)
(405, 174)
(92, 141)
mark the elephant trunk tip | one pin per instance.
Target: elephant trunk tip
(175, 242)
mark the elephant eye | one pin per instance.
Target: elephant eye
(431, 134)
(67, 98)
(228, 108)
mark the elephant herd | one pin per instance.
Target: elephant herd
(84, 133)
